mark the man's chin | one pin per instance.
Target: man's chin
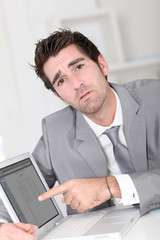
(89, 110)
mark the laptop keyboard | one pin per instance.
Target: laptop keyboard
(76, 225)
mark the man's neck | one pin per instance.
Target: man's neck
(106, 114)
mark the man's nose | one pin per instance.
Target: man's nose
(77, 83)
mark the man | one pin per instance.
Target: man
(76, 150)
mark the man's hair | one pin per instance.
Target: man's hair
(52, 45)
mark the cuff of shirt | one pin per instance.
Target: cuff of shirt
(128, 190)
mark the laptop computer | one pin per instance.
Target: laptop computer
(21, 182)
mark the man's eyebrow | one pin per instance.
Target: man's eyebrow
(77, 60)
(56, 77)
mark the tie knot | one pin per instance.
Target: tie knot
(113, 135)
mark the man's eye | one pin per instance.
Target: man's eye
(79, 66)
(61, 81)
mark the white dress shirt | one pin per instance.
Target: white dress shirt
(128, 190)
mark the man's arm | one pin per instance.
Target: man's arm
(147, 184)
(84, 194)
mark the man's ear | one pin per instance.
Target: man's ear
(103, 64)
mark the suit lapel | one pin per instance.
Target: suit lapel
(134, 131)
(89, 147)
(134, 128)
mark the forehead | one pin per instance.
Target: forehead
(62, 59)
(65, 55)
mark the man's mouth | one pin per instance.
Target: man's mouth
(85, 95)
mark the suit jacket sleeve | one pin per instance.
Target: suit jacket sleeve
(147, 184)
(41, 154)
(143, 137)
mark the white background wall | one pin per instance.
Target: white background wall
(23, 99)
(139, 23)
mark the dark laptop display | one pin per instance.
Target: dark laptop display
(22, 185)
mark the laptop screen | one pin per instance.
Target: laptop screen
(22, 185)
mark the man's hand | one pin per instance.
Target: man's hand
(84, 194)
(17, 231)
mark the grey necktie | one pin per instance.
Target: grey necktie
(121, 153)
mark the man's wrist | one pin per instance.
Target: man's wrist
(114, 187)
(111, 196)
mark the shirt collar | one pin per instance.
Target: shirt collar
(118, 119)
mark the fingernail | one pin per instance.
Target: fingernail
(40, 198)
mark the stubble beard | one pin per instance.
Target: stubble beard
(92, 107)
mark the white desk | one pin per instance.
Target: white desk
(146, 228)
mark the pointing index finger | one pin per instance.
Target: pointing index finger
(53, 192)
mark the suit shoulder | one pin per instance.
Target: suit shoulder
(142, 85)
(145, 91)
(58, 115)
(64, 116)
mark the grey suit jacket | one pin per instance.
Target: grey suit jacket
(69, 149)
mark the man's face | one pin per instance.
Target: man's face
(78, 80)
